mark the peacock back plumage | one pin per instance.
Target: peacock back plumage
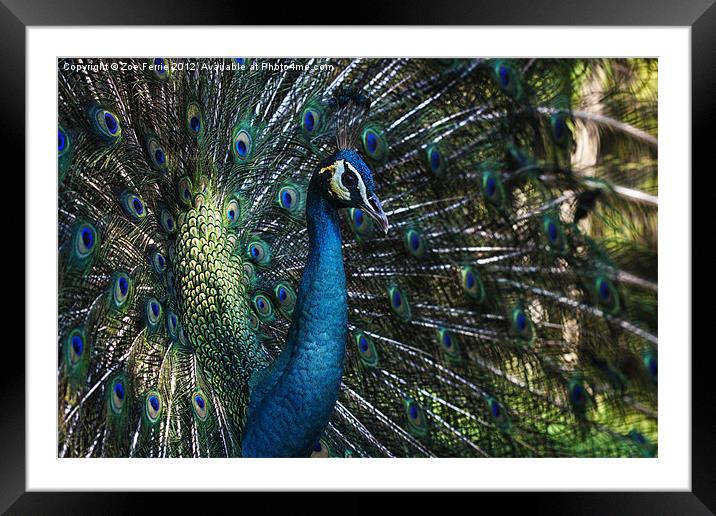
(510, 309)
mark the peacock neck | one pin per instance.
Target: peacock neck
(294, 402)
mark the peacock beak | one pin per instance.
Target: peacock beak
(375, 211)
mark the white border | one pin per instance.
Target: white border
(671, 470)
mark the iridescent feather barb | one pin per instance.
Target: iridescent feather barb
(510, 310)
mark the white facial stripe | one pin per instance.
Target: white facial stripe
(361, 185)
(337, 184)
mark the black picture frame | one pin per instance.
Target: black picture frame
(700, 15)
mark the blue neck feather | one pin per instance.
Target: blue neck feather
(292, 400)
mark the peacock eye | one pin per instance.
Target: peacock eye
(157, 156)
(233, 212)
(263, 307)
(153, 312)
(310, 120)
(607, 295)
(184, 188)
(577, 395)
(399, 303)
(472, 284)
(259, 252)
(199, 405)
(417, 422)
(85, 240)
(106, 124)
(349, 179)
(522, 324)
(492, 188)
(75, 346)
(286, 297)
(160, 68)
(449, 345)
(159, 263)
(498, 414)
(62, 141)
(504, 74)
(121, 287)
(193, 119)
(555, 235)
(242, 145)
(133, 206)
(367, 352)
(172, 323)
(117, 395)
(167, 221)
(290, 199)
(152, 407)
(374, 143)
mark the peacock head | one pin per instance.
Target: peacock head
(348, 182)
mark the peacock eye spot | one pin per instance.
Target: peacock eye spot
(232, 215)
(88, 238)
(504, 76)
(358, 217)
(155, 309)
(495, 408)
(349, 179)
(447, 340)
(119, 391)
(491, 187)
(159, 63)
(241, 148)
(415, 241)
(604, 291)
(154, 402)
(111, 123)
(363, 344)
(521, 321)
(159, 156)
(413, 411)
(239, 60)
(170, 223)
(317, 447)
(254, 251)
(469, 279)
(138, 207)
(195, 124)
(397, 299)
(309, 121)
(371, 141)
(199, 401)
(123, 285)
(61, 140)
(161, 260)
(282, 294)
(77, 344)
(434, 159)
(287, 199)
(552, 231)
(578, 393)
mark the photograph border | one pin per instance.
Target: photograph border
(16, 16)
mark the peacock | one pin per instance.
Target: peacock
(338, 257)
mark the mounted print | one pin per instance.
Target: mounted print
(357, 257)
